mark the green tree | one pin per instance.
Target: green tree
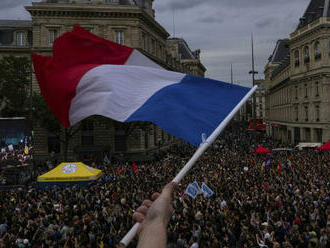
(14, 86)
(46, 119)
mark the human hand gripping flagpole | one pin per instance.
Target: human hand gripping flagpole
(131, 234)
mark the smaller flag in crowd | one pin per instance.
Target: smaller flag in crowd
(267, 162)
(121, 169)
(192, 191)
(252, 161)
(195, 183)
(289, 163)
(26, 150)
(135, 169)
(279, 168)
(106, 160)
(207, 191)
(263, 166)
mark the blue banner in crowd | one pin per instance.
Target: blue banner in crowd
(192, 191)
(207, 191)
(196, 185)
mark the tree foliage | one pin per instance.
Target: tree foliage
(46, 119)
(15, 76)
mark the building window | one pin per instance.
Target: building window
(54, 145)
(296, 58)
(119, 37)
(52, 35)
(306, 91)
(306, 54)
(318, 134)
(317, 112)
(296, 113)
(296, 92)
(144, 43)
(306, 113)
(329, 48)
(160, 51)
(87, 135)
(317, 51)
(20, 38)
(153, 46)
(317, 89)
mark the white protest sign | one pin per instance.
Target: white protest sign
(10, 147)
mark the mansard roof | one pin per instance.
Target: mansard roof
(281, 51)
(315, 10)
(121, 2)
(15, 24)
(184, 49)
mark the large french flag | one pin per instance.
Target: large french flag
(88, 75)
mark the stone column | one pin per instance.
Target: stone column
(302, 134)
(326, 134)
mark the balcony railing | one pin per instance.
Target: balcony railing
(15, 46)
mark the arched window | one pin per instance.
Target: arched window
(306, 113)
(306, 54)
(317, 112)
(317, 50)
(20, 38)
(296, 58)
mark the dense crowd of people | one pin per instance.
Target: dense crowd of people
(251, 207)
(16, 162)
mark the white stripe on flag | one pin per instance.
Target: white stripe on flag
(117, 91)
(137, 58)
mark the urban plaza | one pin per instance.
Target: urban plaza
(164, 124)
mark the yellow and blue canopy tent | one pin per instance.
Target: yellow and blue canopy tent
(69, 174)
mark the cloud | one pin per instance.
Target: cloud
(220, 28)
(212, 19)
(171, 5)
(9, 4)
(266, 23)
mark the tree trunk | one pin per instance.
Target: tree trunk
(66, 144)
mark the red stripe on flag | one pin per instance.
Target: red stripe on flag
(75, 53)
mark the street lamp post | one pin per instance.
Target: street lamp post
(253, 72)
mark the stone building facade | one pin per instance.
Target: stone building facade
(15, 37)
(128, 22)
(298, 80)
(260, 99)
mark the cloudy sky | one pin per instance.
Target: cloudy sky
(220, 28)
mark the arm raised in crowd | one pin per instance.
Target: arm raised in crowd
(154, 216)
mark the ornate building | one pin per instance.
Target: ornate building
(15, 37)
(260, 99)
(127, 22)
(298, 80)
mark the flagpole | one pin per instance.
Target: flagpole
(131, 234)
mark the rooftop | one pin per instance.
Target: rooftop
(15, 23)
(315, 10)
(281, 51)
(184, 50)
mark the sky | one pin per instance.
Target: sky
(220, 28)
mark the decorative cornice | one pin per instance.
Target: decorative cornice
(322, 22)
(92, 11)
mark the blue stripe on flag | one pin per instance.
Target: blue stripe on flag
(191, 107)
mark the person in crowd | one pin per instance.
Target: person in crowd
(251, 207)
